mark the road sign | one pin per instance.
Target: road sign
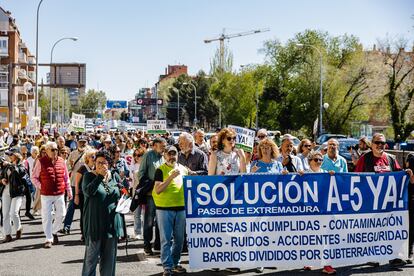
(149, 101)
(116, 104)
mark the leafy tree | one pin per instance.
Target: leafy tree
(91, 102)
(400, 84)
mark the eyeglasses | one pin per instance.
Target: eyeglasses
(231, 138)
(379, 143)
(261, 136)
(102, 163)
(317, 159)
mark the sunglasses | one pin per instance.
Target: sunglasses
(231, 138)
(261, 136)
(172, 153)
(118, 151)
(379, 143)
(53, 150)
(308, 146)
(317, 159)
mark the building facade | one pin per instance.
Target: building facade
(17, 76)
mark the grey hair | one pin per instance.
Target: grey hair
(34, 149)
(50, 145)
(187, 136)
(312, 154)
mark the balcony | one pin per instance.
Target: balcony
(31, 60)
(22, 58)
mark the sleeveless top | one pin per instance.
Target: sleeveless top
(227, 163)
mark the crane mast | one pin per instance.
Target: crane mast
(224, 36)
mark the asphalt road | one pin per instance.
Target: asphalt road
(28, 257)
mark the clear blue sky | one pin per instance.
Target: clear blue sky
(126, 44)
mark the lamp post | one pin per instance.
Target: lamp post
(195, 101)
(51, 61)
(36, 94)
(178, 103)
(320, 93)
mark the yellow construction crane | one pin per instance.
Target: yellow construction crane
(224, 36)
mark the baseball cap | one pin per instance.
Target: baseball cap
(171, 148)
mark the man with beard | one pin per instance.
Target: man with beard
(191, 156)
(168, 194)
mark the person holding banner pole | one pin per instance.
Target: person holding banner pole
(267, 163)
(378, 161)
(227, 160)
(168, 195)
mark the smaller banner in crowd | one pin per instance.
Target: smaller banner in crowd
(33, 126)
(292, 221)
(244, 138)
(156, 126)
(77, 123)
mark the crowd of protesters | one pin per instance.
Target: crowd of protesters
(55, 175)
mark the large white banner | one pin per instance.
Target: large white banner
(77, 123)
(291, 221)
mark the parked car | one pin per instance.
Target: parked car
(344, 145)
(325, 137)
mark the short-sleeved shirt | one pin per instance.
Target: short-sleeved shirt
(339, 165)
(272, 167)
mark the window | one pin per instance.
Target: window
(4, 49)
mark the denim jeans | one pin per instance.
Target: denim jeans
(149, 223)
(138, 221)
(70, 211)
(172, 226)
(103, 251)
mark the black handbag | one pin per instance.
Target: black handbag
(144, 186)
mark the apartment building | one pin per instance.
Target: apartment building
(17, 75)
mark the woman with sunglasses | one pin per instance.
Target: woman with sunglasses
(102, 225)
(304, 148)
(315, 160)
(228, 159)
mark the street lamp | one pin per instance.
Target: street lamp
(320, 93)
(178, 108)
(51, 61)
(195, 101)
(37, 58)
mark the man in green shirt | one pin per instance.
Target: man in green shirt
(151, 160)
(168, 194)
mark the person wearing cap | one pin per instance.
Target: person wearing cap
(278, 139)
(261, 134)
(74, 162)
(51, 176)
(12, 195)
(107, 142)
(151, 160)
(168, 194)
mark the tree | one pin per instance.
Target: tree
(215, 66)
(91, 102)
(290, 100)
(400, 84)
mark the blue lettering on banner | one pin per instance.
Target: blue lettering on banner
(291, 195)
(288, 221)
